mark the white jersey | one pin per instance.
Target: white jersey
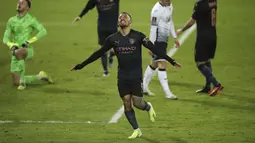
(161, 23)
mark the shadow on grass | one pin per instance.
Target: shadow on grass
(216, 104)
(57, 90)
(172, 139)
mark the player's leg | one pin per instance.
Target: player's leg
(18, 68)
(148, 75)
(203, 54)
(124, 92)
(15, 70)
(162, 76)
(211, 53)
(102, 35)
(139, 102)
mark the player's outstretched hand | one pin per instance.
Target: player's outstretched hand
(179, 32)
(177, 65)
(150, 52)
(77, 67)
(177, 43)
(76, 19)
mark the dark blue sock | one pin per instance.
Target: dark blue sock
(208, 74)
(132, 119)
(208, 82)
(104, 62)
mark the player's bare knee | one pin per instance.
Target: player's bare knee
(127, 102)
(21, 53)
(127, 106)
(162, 65)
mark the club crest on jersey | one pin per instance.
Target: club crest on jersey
(131, 41)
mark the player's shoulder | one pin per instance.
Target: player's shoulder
(137, 33)
(30, 16)
(156, 7)
(112, 36)
(13, 18)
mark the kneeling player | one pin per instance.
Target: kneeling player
(20, 29)
(127, 45)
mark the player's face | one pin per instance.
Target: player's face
(124, 20)
(22, 6)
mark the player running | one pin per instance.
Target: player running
(127, 45)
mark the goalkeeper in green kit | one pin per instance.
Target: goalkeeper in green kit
(18, 37)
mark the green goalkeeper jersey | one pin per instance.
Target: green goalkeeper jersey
(20, 30)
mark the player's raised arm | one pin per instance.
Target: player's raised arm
(106, 47)
(90, 5)
(149, 45)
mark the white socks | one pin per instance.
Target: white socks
(149, 73)
(162, 76)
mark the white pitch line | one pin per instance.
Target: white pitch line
(117, 115)
(47, 122)
(182, 39)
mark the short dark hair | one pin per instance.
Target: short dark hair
(127, 14)
(29, 3)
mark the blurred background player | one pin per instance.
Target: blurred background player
(205, 16)
(127, 45)
(108, 11)
(18, 38)
(161, 27)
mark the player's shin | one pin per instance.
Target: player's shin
(31, 78)
(208, 74)
(149, 73)
(162, 75)
(21, 64)
(141, 104)
(130, 115)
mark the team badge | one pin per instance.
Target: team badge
(131, 41)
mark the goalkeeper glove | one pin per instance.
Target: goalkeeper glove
(13, 49)
(25, 45)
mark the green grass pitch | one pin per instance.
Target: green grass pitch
(87, 96)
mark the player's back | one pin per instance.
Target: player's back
(108, 11)
(205, 15)
(21, 27)
(129, 54)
